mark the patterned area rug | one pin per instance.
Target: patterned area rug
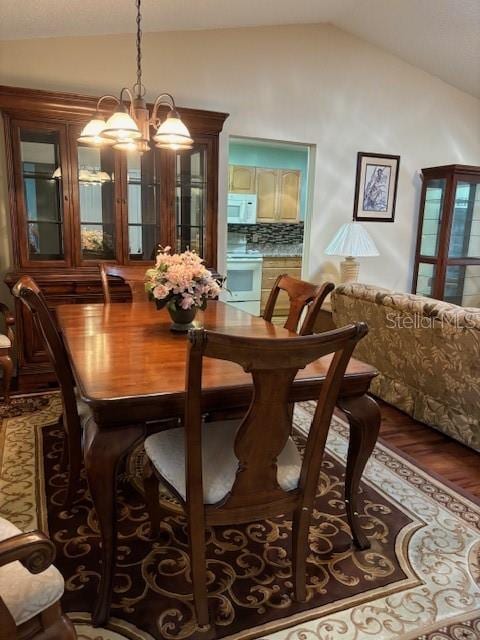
(420, 579)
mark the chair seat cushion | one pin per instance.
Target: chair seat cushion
(166, 450)
(4, 341)
(26, 594)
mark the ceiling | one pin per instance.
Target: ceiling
(439, 36)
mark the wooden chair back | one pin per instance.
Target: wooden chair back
(29, 293)
(134, 276)
(301, 295)
(264, 430)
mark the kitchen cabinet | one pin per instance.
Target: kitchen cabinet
(278, 195)
(288, 195)
(241, 179)
(266, 189)
(447, 261)
(72, 206)
(272, 268)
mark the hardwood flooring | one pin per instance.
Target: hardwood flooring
(431, 449)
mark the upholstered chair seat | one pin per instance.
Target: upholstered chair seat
(166, 451)
(25, 594)
(5, 342)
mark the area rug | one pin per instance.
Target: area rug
(420, 579)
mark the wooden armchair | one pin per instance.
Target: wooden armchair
(6, 344)
(238, 471)
(134, 276)
(75, 411)
(30, 588)
(302, 295)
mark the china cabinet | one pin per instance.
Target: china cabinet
(73, 206)
(447, 262)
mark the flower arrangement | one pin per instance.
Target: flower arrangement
(95, 240)
(181, 279)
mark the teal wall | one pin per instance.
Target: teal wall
(273, 157)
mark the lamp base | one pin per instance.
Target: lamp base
(349, 269)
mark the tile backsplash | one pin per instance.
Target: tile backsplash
(274, 233)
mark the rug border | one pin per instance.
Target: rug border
(463, 495)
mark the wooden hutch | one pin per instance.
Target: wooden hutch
(72, 206)
(447, 260)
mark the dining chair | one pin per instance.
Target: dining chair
(75, 411)
(238, 471)
(133, 276)
(6, 344)
(302, 295)
(30, 588)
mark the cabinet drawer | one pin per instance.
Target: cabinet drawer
(83, 288)
(282, 262)
(270, 274)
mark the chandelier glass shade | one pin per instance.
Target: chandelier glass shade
(128, 127)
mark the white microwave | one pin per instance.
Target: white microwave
(242, 208)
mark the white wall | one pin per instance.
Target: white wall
(310, 84)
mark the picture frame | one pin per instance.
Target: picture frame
(376, 187)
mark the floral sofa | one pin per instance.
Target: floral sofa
(427, 353)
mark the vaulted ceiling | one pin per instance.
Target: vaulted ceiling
(440, 36)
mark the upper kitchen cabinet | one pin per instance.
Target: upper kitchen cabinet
(447, 263)
(266, 190)
(241, 179)
(289, 195)
(73, 206)
(278, 195)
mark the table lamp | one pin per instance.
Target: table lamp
(351, 241)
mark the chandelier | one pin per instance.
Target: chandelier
(128, 128)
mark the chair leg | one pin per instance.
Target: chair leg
(64, 458)
(152, 497)
(7, 364)
(198, 564)
(74, 457)
(300, 529)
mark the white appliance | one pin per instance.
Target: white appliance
(242, 208)
(244, 282)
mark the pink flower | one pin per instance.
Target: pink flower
(187, 301)
(160, 291)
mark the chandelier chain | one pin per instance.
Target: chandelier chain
(139, 88)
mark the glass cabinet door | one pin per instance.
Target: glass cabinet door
(96, 176)
(426, 279)
(190, 200)
(42, 191)
(465, 231)
(143, 205)
(462, 276)
(432, 217)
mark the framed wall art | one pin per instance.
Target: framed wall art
(376, 187)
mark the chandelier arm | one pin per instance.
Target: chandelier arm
(106, 97)
(130, 98)
(163, 98)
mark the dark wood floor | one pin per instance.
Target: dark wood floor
(431, 449)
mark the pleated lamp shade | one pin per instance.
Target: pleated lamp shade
(351, 241)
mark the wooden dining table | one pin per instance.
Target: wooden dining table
(130, 369)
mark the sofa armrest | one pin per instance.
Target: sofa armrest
(34, 550)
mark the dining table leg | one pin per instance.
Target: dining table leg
(363, 415)
(104, 448)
